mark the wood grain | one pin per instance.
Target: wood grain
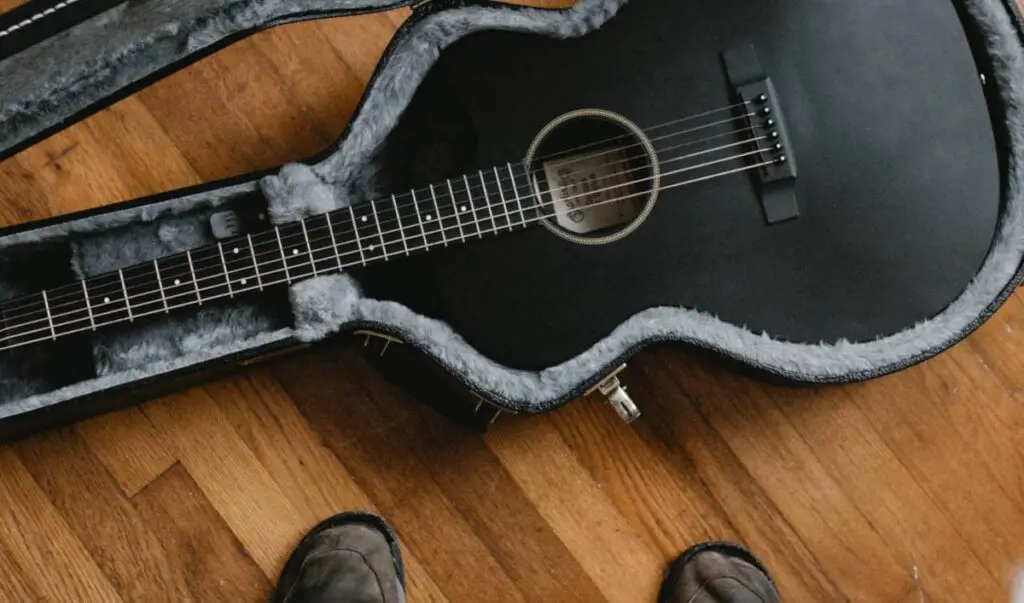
(905, 489)
(128, 446)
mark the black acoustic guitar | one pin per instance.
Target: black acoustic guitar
(815, 170)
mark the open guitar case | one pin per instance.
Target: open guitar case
(60, 61)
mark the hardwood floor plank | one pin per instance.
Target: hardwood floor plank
(138, 145)
(99, 515)
(230, 476)
(918, 531)
(22, 194)
(387, 468)
(16, 585)
(72, 170)
(964, 474)
(783, 464)
(599, 536)
(320, 82)
(672, 509)
(811, 560)
(483, 492)
(360, 41)
(310, 476)
(128, 446)
(999, 344)
(201, 547)
(42, 544)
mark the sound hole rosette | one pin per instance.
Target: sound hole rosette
(649, 173)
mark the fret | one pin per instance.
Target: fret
(347, 247)
(309, 246)
(160, 284)
(504, 202)
(297, 254)
(531, 210)
(515, 191)
(255, 263)
(380, 231)
(456, 208)
(284, 258)
(224, 265)
(105, 296)
(239, 267)
(88, 306)
(497, 204)
(487, 201)
(175, 273)
(49, 315)
(419, 221)
(28, 321)
(401, 229)
(322, 253)
(355, 232)
(195, 281)
(142, 297)
(127, 299)
(334, 243)
(440, 218)
(469, 196)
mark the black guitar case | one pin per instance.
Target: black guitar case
(62, 61)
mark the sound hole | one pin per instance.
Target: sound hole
(596, 176)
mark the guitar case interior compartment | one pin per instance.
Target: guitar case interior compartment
(61, 61)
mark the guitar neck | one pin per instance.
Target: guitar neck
(472, 206)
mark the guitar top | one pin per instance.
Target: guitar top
(896, 189)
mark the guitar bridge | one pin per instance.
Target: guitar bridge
(763, 108)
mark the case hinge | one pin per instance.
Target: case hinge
(615, 394)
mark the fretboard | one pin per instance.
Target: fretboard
(459, 210)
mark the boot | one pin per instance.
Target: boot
(718, 572)
(349, 558)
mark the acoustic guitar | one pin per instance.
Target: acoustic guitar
(817, 171)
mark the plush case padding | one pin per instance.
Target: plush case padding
(354, 171)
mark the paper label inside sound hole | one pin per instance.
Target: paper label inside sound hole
(593, 189)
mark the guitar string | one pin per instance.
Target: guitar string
(214, 265)
(219, 264)
(286, 268)
(29, 300)
(265, 284)
(649, 129)
(32, 305)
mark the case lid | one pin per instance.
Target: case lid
(61, 60)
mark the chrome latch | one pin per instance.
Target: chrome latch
(615, 394)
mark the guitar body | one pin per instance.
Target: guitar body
(823, 191)
(898, 184)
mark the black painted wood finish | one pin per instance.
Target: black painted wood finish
(899, 184)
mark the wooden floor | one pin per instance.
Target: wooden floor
(903, 490)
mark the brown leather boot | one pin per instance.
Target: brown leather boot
(718, 572)
(349, 558)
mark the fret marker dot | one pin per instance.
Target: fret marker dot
(177, 281)
(244, 281)
(429, 218)
(295, 252)
(463, 208)
(363, 218)
(371, 247)
(235, 251)
(106, 300)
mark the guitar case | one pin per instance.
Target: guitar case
(60, 61)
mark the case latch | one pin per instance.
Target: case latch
(615, 394)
